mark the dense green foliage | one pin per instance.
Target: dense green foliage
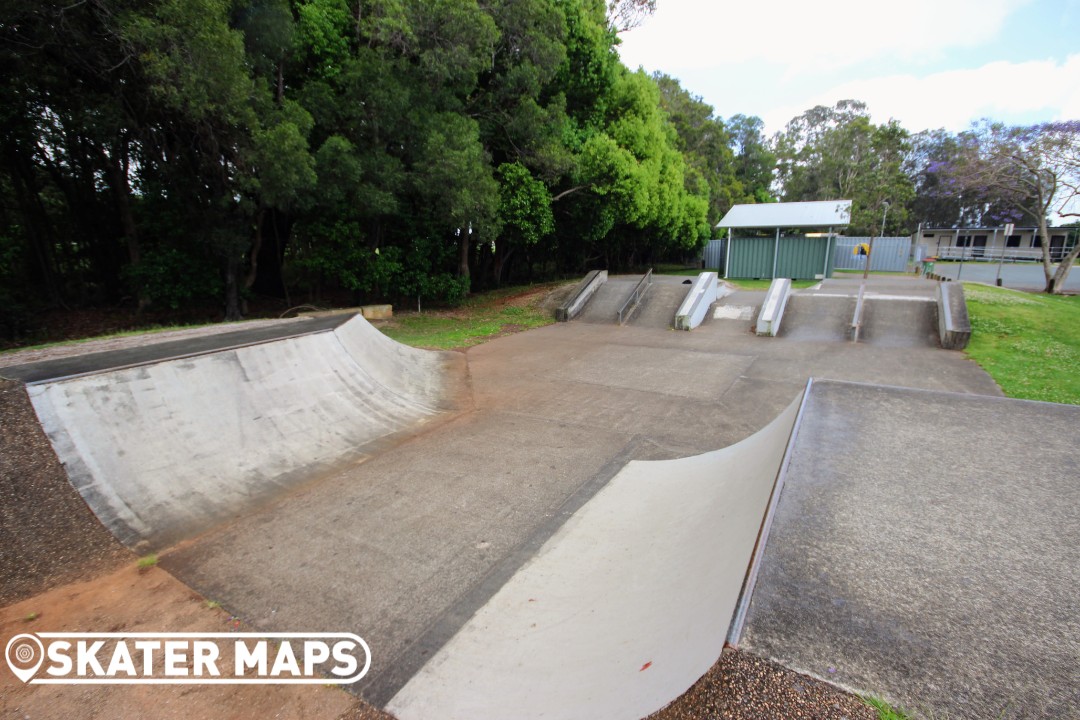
(179, 153)
(178, 150)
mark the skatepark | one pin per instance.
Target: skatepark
(573, 521)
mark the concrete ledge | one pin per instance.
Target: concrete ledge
(703, 293)
(574, 304)
(772, 310)
(954, 325)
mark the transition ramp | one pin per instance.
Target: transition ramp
(163, 451)
(625, 607)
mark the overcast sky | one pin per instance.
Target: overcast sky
(926, 63)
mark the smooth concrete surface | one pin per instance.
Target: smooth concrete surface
(163, 451)
(925, 548)
(604, 623)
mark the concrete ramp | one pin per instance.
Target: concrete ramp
(604, 306)
(625, 607)
(817, 318)
(900, 322)
(163, 451)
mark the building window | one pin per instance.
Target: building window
(1013, 241)
(1036, 241)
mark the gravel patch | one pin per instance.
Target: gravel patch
(48, 536)
(741, 686)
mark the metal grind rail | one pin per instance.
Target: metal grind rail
(634, 300)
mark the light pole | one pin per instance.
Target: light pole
(883, 216)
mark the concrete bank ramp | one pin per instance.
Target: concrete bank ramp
(625, 607)
(900, 322)
(163, 451)
(604, 306)
(817, 318)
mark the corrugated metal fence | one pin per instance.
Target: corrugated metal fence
(714, 255)
(890, 254)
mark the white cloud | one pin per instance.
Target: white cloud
(953, 98)
(808, 36)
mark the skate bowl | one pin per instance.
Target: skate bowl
(165, 450)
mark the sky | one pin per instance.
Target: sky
(925, 63)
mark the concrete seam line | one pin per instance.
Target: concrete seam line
(401, 669)
(742, 607)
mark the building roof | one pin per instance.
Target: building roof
(826, 213)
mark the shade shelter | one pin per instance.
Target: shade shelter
(790, 240)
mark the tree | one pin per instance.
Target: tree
(624, 15)
(754, 160)
(837, 153)
(1034, 168)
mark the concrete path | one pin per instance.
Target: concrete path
(926, 548)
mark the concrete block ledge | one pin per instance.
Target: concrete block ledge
(581, 295)
(954, 325)
(772, 310)
(703, 293)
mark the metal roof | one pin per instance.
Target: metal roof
(825, 213)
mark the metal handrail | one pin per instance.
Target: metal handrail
(635, 297)
(856, 321)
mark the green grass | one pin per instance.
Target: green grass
(480, 318)
(764, 284)
(885, 710)
(1029, 344)
(147, 561)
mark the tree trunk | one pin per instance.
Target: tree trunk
(232, 290)
(463, 255)
(118, 181)
(1044, 244)
(256, 248)
(1058, 281)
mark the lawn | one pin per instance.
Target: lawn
(764, 284)
(478, 319)
(1029, 343)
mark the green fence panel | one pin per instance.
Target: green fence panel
(751, 258)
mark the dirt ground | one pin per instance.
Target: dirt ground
(150, 600)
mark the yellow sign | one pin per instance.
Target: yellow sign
(861, 249)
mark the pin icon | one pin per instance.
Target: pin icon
(24, 654)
